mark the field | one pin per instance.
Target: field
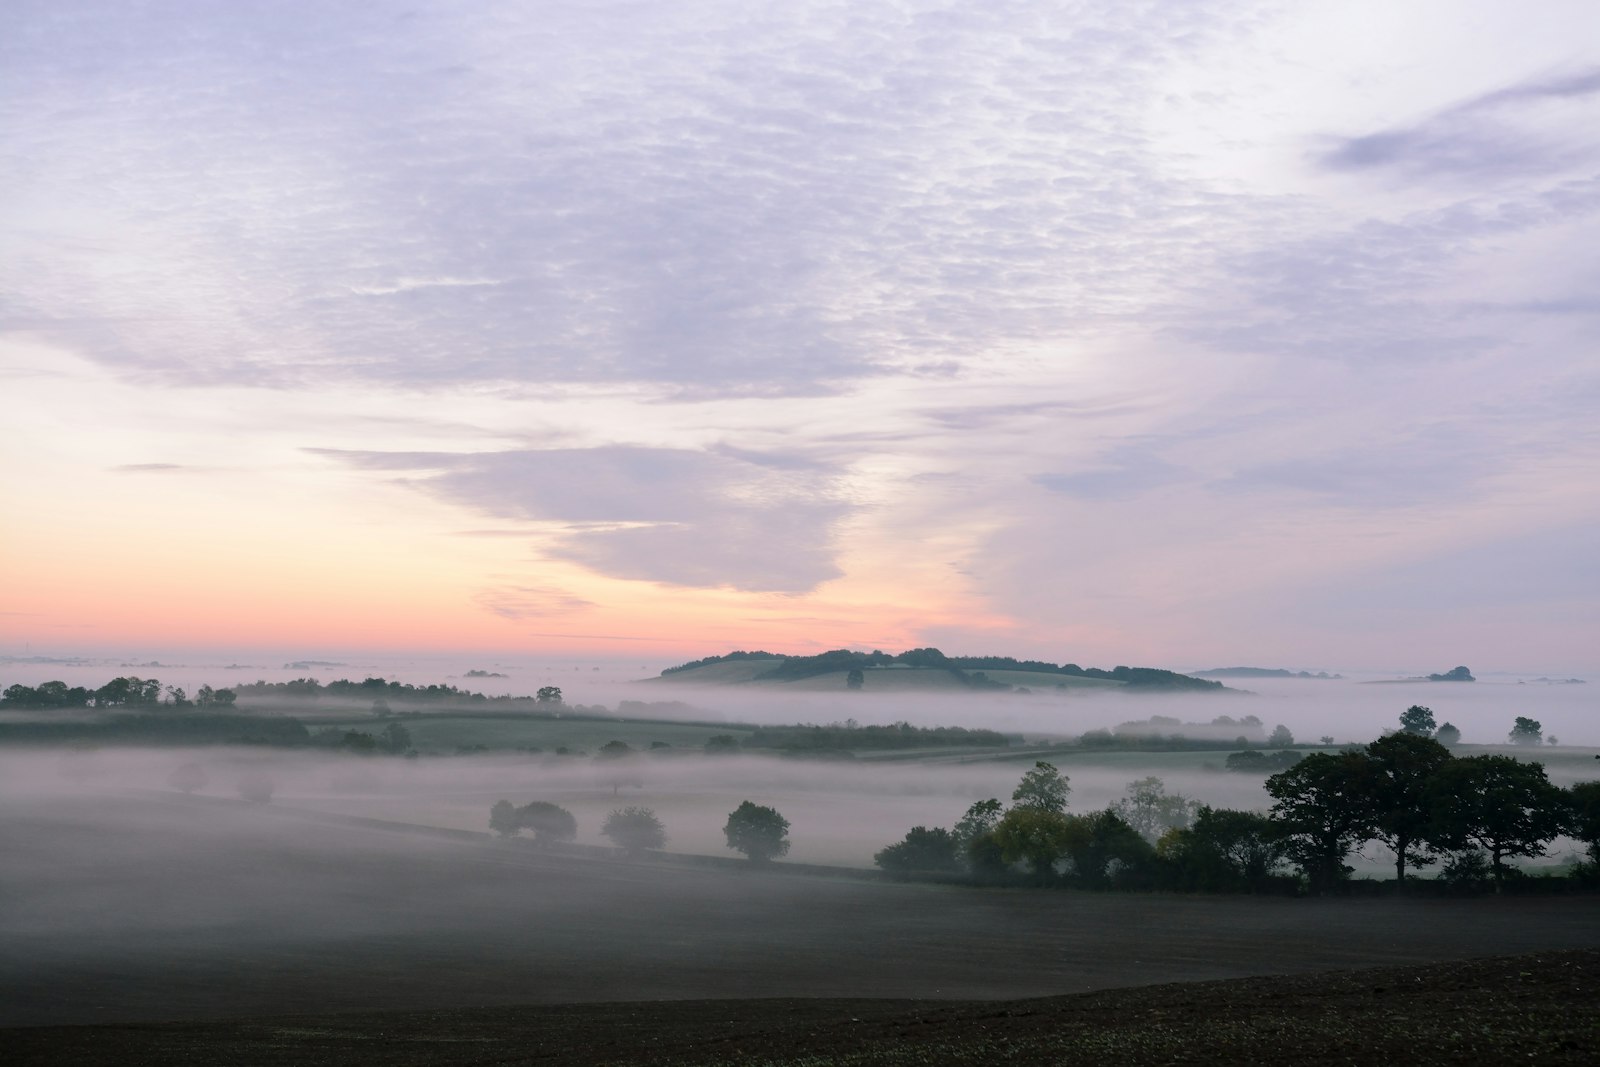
(1537, 1008)
(126, 909)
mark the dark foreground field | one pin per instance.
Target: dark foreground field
(128, 910)
(1526, 1009)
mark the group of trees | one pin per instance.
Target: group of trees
(1405, 791)
(753, 829)
(1036, 834)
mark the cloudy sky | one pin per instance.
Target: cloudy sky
(1158, 332)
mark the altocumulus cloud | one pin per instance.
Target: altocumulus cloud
(756, 522)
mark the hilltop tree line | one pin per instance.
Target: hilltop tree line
(145, 694)
(969, 670)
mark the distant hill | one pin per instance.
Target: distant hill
(920, 669)
(1261, 672)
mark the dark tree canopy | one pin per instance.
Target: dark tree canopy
(1448, 735)
(922, 849)
(1036, 836)
(1584, 801)
(1405, 763)
(1322, 804)
(1417, 720)
(1497, 803)
(757, 831)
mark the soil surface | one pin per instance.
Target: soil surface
(1542, 1009)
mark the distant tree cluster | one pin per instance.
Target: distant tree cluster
(130, 694)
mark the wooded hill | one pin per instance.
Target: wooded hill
(921, 668)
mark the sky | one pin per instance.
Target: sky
(1170, 333)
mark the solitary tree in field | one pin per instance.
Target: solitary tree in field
(855, 679)
(1042, 789)
(1281, 737)
(550, 694)
(1417, 720)
(1527, 731)
(503, 819)
(188, 778)
(759, 832)
(550, 823)
(634, 830)
(1448, 735)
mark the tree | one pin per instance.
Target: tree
(1042, 789)
(855, 679)
(1036, 836)
(1227, 849)
(503, 819)
(979, 819)
(1322, 806)
(1103, 849)
(1454, 674)
(188, 777)
(1327, 739)
(1497, 803)
(1526, 731)
(634, 830)
(922, 849)
(1150, 810)
(1583, 802)
(1280, 737)
(1448, 735)
(721, 745)
(1417, 720)
(549, 822)
(1405, 763)
(550, 694)
(759, 832)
